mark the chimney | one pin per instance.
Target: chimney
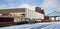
(42, 11)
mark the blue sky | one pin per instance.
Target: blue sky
(48, 5)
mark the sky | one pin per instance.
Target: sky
(48, 5)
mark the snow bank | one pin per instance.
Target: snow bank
(53, 25)
(26, 26)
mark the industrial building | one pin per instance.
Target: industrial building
(17, 14)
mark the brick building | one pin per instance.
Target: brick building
(39, 10)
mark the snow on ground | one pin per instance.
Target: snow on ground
(52, 25)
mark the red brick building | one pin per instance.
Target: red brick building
(39, 10)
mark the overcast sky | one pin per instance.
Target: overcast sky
(48, 5)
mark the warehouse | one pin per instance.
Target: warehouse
(19, 13)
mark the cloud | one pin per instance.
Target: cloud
(2, 6)
(48, 3)
(28, 6)
(51, 4)
(11, 4)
